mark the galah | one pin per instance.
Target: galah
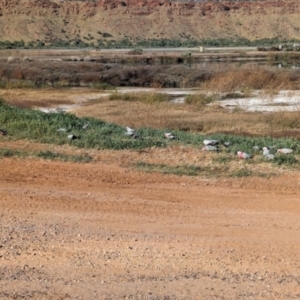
(73, 137)
(169, 136)
(267, 153)
(61, 129)
(3, 132)
(130, 131)
(210, 142)
(243, 155)
(285, 151)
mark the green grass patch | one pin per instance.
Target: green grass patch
(42, 127)
(7, 152)
(64, 157)
(248, 173)
(286, 159)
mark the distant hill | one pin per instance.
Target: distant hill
(109, 20)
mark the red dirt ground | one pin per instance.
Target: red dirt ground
(102, 231)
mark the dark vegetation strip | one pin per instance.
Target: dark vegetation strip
(144, 43)
(193, 170)
(8, 152)
(42, 127)
(37, 74)
(44, 74)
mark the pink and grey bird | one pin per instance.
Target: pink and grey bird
(285, 151)
(243, 155)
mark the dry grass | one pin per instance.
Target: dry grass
(257, 79)
(47, 97)
(192, 117)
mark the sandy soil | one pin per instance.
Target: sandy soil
(104, 231)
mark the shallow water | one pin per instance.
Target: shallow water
(283, 101)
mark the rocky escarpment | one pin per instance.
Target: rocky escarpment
(90, 21)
